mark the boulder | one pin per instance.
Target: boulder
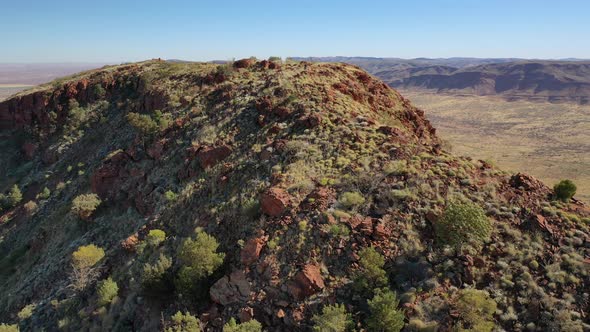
(307, 282)
(251, 250)
(274, 202)
(231, 289)
(209, 156)
(29, 150)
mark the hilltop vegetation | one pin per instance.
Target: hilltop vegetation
(269, 195)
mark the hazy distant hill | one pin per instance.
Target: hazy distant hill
(552, 80)
(37, 73)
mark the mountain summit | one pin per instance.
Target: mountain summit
(268, 195)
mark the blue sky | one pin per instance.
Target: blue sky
(123, 30)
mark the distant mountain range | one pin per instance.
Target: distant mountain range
(511, 78)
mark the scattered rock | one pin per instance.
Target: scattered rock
(155, 151)
(130, 243)
(381, 233)
(246, 314)
(539, 222)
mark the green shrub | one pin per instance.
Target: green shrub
(9, 328)
(171, 196)
(384, 315)
(462, 222)
(84, 205)
(44, 194)
(87, 256)
(184, 323)
(416, 325)
(249, 326)
(26, 312)
(107, 290)
(143, 123)
(156, 278)
(351, 199)
(565, 190)
(30, 207)
(199, 260)
(155, 237)
(476, 311)
(372, 275)
(14, 197)
(147, 124)
(339, 230)
(333, 318)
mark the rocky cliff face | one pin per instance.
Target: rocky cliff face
(295, 168)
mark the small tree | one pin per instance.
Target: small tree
(565, 190)
(462, 222)
(84, 205)
(156, 277)
(107, 290)
(83, 261)
(184, 323)
(333, 318)
(199, 260)
(384, 317)
(249, 326)
(372, 275)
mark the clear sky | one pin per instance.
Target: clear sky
(124, 30)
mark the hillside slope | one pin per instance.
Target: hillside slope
(156, 193)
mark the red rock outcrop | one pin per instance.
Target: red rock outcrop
(105, 178)
(244, 63)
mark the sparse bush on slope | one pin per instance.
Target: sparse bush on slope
(476, 310)
(371, 275)
(199, 259)
(84, 205)
(384, 314)
(107, 290)
(156, 277)
(13, 198)
(565, 190)
(461, 223)
(183, 323)
(249, 326)
(333, 318)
